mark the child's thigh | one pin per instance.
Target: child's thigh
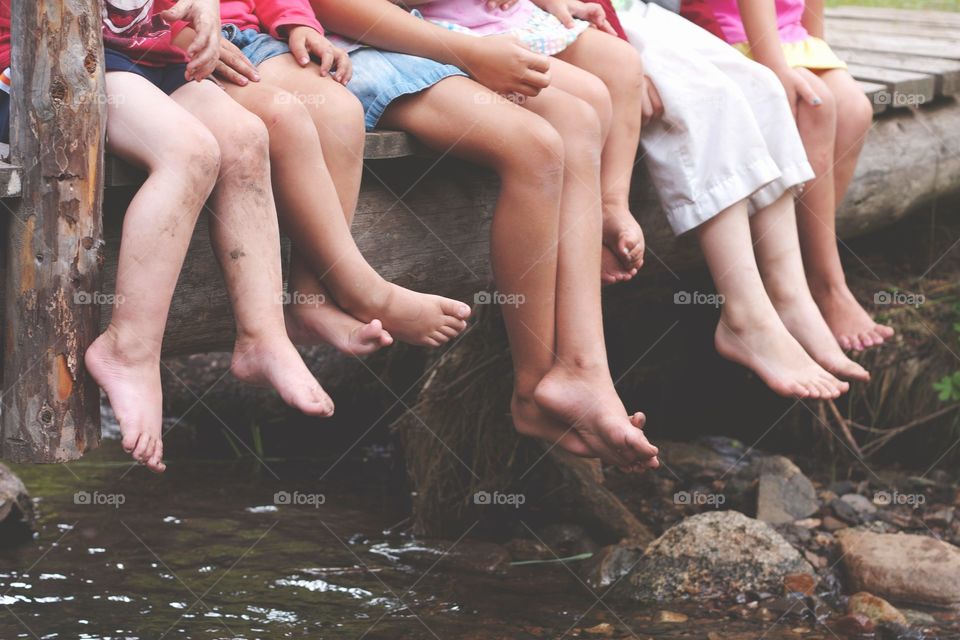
(320, 94)
(147, 128)
(460, 116)
(581, 83)
(234, 128)
(611, 59)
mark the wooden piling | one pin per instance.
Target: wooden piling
(51, 408)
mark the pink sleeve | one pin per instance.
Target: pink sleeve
(177, 27)
(274, 14)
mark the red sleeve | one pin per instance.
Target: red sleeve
(274, 14)
(611, 16)
(4, 34)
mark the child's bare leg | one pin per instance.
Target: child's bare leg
(527, 153)
(297, 163)
(593, 51)
(781, 266)
(579, 389)
(246, 240)
(181, 157)
(750, 331)
(850, 323)
(417, 318)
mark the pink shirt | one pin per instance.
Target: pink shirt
(722, 19)
(268, 15)
(474, 15)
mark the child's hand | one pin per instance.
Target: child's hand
(651, 105)
(566, 10)
(798, 88)
(306, 41)
(233, 66)
(503, 65)
(204, 51)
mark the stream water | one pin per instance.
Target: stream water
(243, 549)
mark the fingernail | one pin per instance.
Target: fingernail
(817, 101)
(304, 60)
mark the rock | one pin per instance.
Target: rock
(861, 504)
(521, 549)
(609, 564)
(940, 517)
(566, 540)
(800, 583)
(17, 517)
(918, 618)
(712, 554)
(843, 510)
(602, 629)
(842, 487)
(669, 616)
(832, 524)
(902, 567)
(809, 523)
(875, 608)
(854, 625)
(784, 493)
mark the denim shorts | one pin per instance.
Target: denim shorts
(380, 77)
(258, 47)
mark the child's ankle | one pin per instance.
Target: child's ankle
(128, 346)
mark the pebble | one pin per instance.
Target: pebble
(855, 625)
(861, 504)
(875, 608)
(800, 583)
(844, 511)
(670, 616)
(833, 524)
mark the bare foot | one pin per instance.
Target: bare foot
(530, 420)
(623, 236)
(130, 376)
(309, 324)
(611, 271)
(803, 320)
(274, 362)
(585, 399)
(850, 323)
(767, 348)
(415, 318)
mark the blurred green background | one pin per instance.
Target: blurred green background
(936, 5)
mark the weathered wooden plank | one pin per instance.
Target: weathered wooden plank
(904, 88)
(895, 15)
(889, 27)
(873, 92)
(907, 44)
(51, 405)
(946, 72)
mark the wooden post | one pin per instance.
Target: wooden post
(51, 406)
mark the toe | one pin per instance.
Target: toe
(129, 441)
(845, 343)
(144, 444)
(456, 309)
(876, 338)
(884, 331)
(449, 332)
(385, 339)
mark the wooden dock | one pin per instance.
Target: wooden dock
(423, 219)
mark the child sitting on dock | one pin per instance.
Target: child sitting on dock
(833, 116)
(613, 90)
(547, 224)
(289, 75)
(194, 142)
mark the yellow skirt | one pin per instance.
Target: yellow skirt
(811, 53)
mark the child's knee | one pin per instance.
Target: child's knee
(857, 113)
(246, 142)
(535, 155)
(581, 129)
(286, 119)
(197, 151)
